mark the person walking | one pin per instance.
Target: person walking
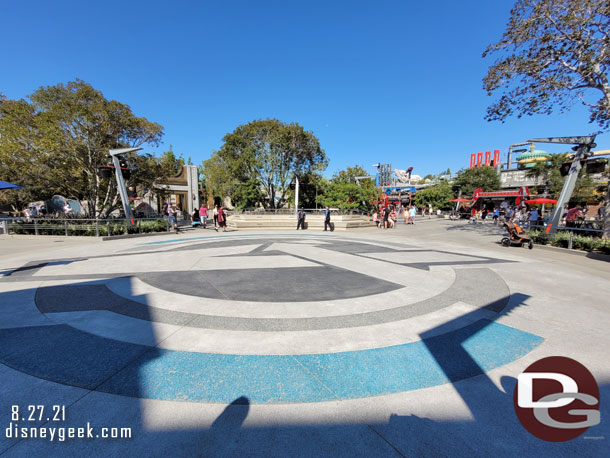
(203, 215)
(171, 214)
(301, 219)
(327, 218)
(412, 215)
(215, 214)
(222, 219)
(386, 217)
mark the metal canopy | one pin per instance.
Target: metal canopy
(580, 140)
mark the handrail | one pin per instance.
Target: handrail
(568, 228)
(85, 226)
(38, 218)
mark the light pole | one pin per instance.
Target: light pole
(296, 194)
(115, 153)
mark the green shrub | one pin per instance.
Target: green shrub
(88, 228)
(157, 225)
(561, 239)
(539, 236)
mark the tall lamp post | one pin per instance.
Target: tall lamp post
(296, 194)
(115, 153)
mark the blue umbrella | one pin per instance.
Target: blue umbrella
(7, 185)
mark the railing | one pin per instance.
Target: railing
(81, 226)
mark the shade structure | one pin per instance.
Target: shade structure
(541, 200)
(7, 185)
(460, 200)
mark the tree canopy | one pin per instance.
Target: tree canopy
(268, 153)
(549, 171)
(439, 196)
(485, 178)
(55, 142)
(552, 53)
(345, 192)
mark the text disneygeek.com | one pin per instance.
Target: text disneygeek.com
(24, 425)
(61, 433)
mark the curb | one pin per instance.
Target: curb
(129, 236)
(588, 254)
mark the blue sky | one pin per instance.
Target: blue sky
(392, 82)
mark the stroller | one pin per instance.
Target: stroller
(516, 236)
(196, 221)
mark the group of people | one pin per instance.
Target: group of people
(199, 217)
(521, 215)
(386, 218)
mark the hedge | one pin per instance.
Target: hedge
(579, 242)
(118, 227)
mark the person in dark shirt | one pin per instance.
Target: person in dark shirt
(301, 219)
(326, 212)
(386, 215)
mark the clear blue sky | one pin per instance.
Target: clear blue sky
(392, 82)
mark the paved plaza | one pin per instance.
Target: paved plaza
(403, 342)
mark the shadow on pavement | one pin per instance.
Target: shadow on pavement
(70, 355)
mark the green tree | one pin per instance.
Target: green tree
(485, 178)
(170, 163)
(549, 172)
(552, 53)
(439, 196)
(219, 182)
(246, 194)
(346, 192)
(309, 188)
(55, 143)
(272, 153)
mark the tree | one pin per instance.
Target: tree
(55, 143)
(485, 178)
(272, 153)
(549, 172)
(171, 165)
(552, 52)
(345, 192)
(309, 188)
(219, 181)
(246, 194)
(439, 196)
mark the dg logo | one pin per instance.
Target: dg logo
(557, 399)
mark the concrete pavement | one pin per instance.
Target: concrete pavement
(403, 342)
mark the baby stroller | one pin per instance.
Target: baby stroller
(516, 236)
(196, 221)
